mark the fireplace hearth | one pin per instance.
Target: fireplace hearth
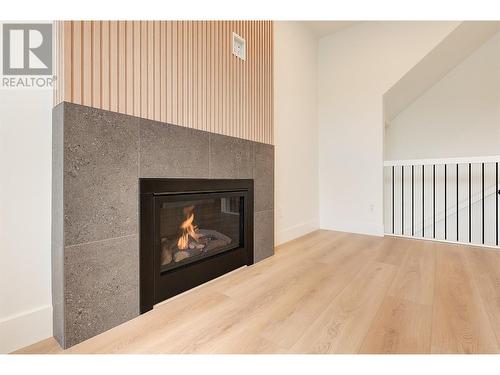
(192, 231)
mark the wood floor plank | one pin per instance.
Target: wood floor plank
(393, 250)
(460, 323)
(403, 323)
(327, 292)
(485, 265)
(213, 324)
(300, 251)
(151, 327)
(415, 278)
(342, 327)
(302, 307)
(307, 254)
(47, 346)
(400, 327)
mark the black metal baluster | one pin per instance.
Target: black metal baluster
(496, 200)
(470, 211)
(434, 201)
(402, 200)
(482, 201)
(445, 217)
(393, 199)
(412, 214)
(423, 202)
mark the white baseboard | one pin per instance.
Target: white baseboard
(295, 231)
(372, 229)
(468, 244)
(26, 328)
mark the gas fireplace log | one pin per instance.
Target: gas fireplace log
(166, 251)
(213, 234)
(208, 240)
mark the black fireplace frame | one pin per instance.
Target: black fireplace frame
(156, 286)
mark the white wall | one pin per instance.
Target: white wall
(458, 116)
(25, 196)
(356, 67)
(296, 131)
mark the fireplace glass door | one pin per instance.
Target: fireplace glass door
(191, 227)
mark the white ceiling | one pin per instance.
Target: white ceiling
(451, 51)
(323, 28)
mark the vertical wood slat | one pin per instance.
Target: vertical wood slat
(169, 64)
(67, 58)
(144, 69)
(156, 72)
(180, 72)
(77, 62)
(137, 68)
(187, 73)
(113, 66)
(129, 67)
(199, 65)
(86, 51)
(105, 72)
(174, 75)
(121, 68)
(150, 71)
(204, 78)
(96, 64)
(163, 72)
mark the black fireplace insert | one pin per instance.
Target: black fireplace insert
(191, 231)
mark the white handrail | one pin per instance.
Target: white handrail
(441, 161)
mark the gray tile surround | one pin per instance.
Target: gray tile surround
(57, 248)
(231, 157)
(102, 286)
(98, 157)
(100, 175)
(263, 175)
(263, 235)
(172, 151)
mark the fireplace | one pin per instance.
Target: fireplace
(110, 173)
(191, 231)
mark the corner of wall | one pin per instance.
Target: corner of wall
(57, 223)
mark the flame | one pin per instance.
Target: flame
(188, 229)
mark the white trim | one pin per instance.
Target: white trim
(492, 247)
(369, 228)
(26, 328)
(460, 160)
(295, 231)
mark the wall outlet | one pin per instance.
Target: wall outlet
(239, 46)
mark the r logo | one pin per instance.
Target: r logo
(27, 49)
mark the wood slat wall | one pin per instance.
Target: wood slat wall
(180, 72)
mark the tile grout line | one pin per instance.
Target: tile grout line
(103, 240)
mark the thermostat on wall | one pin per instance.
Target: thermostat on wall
(239, 46)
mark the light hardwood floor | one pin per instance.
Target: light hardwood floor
(328, 292)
